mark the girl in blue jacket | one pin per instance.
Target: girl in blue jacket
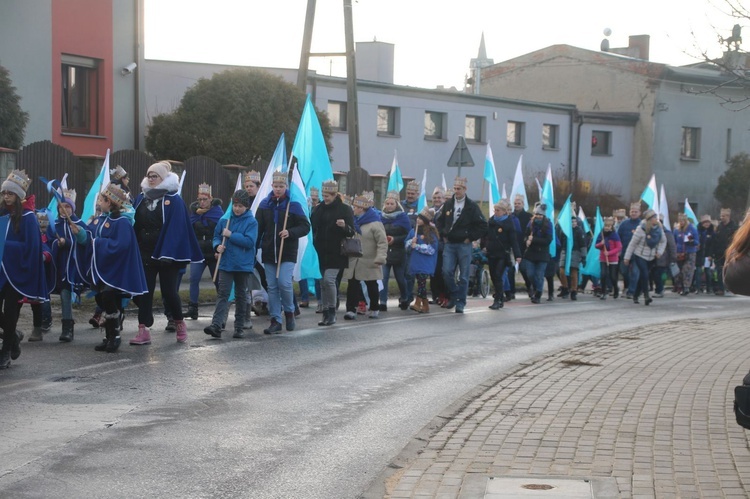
(422, 246)
(234, 240)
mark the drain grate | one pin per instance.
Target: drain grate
(480, 486)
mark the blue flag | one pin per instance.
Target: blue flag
(395, 180)
(308, 265)
(592, 267)
(310, 150)
(490, 175)
(548, 198)
(565, 220)
(422, 201)
(89, 205)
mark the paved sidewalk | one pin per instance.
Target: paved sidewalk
(645, 413)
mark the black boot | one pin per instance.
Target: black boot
(498, 303)
(616, 293)
(192, 311)
(113, 335)
(574, 295)
(331, 317)
(537, 297)
(647, 299)
(323, 321)
(564, 292)
(4, 358)
(67, 330)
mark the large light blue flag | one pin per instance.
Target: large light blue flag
(228, 212)
(310, 150)
(565, 220)
(490, 175)
(650, 195)
(395, 180)
(101, 181)
(548, 198)
(689, 212)
(422, 201)
(308, 265)
(592, 267)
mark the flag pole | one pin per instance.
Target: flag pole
(286, 218)
(223, 242)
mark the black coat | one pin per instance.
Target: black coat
(327, 236)
(470, 225)
(268, 229)
(501, 238)
(538, 250)
(721, 240)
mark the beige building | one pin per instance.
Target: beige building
(683, 133)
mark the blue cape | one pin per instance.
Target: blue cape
(177, 241)
(70, 260)
(212, 215)
(114, 256)
(23, 264)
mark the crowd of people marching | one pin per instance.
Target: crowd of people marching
(120, 252)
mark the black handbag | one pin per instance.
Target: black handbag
(351, 246)
(742, 405)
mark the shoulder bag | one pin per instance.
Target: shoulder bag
(352, 247)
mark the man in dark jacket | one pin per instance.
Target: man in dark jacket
(281, 223)
(204, 215)
(722, 239)
(626, 231)
(524, 218)
(537, 239)
(461, 223)
(498, 243)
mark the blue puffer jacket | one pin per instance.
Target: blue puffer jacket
(239, 255)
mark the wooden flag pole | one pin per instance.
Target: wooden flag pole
(286, 218)
(223, 243)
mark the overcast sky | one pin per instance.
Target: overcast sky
(434, 41)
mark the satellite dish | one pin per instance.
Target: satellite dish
(607, 31)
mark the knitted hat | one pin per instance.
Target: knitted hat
(241, 196)
(280, 178)
(540, 209)
(412, 186)
(115, 194)
(330, 186)
(17, 183)
(427, 213)
(252, 176)
(364, 200)
(117, 173)
(392, 195)
(460, 181)
(204, 189)
(162, 168)
(649, 214)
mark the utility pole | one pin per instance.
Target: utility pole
(357, 179)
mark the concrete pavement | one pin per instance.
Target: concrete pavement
(644, 413)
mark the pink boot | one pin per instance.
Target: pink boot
(181, 331)
(143, 337)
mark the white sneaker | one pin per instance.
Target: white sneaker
(350, 316)
(374, 314)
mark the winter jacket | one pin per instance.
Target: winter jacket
(423, 257)
(578, 249)
(609, 247)
(204, 225)
(239, 252)
(471, 224)
(722, 239)
(397, 226)
(270, 217)
(368, 267)
(626, 230)
(538, 250)
(327, 236)
(501, 238)
(687, 239)
(639, 244)
(670, 255)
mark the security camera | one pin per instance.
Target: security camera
(127, 70)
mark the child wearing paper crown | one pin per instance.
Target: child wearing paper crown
(22, 267)
(422, 247)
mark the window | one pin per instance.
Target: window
(474, 129)
(80, 95)
(514, 133)
(549, 136)
(600, 143)
(691, 138)
(434, 125)
(387, 121)
(337, 115)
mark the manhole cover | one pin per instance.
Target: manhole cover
(528, 488)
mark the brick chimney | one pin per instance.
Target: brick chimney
(641, 44)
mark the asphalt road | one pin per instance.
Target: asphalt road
(316, 413)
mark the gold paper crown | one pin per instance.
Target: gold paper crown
(280, 177)
(314, 190)
(449, 192)
(252, 176)
(19, 177)
(115, 194)
(428, 213)
(635, 206)
(70, 194)
(364, 200)
(619, 213)
(392, 195)
(117, 173)
(460, 181)
(412, 186)
(330, 186)
(204, 188)
(726, 211)
(609, 220)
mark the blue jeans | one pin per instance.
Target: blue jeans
(457, 255)
(535, 271)
(639, 273)
(196, 272)
(226, 280)
(280, 290)
(398, 274)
